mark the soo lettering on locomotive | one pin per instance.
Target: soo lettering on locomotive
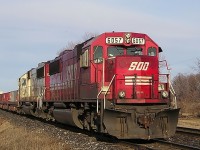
(109, 84)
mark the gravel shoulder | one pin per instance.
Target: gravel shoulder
(19, 132)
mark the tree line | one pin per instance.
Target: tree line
(187, 87)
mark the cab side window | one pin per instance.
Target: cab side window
(54, 67)
(98, 54)
(23, 82)
(152, 51)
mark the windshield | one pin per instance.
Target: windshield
(117, 50)
(134, 51)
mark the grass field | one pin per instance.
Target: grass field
(18, 138)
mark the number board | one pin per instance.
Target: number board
(120, 40)
(138, 41)
(114, 40)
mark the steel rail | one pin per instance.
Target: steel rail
(181, 146)
(188, 130)
(135, 145)
(159, 143)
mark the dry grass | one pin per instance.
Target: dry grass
(189, 108)
(190, 113)
(189, 122)
(15, 138)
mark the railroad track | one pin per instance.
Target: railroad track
(189, 141)
(174, 145)
(188, 130)
(159, 145)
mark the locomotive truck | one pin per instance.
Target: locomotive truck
(110, 84)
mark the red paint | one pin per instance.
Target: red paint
(71, 80)
(47, 81)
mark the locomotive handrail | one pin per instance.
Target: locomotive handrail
(171, 90)
(166, 64)
(174, 94)
(108, 89)
(103, 80)
(105, 93)
(98, 100)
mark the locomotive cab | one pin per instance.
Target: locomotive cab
(132, 61)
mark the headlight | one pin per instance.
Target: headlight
(122, 94)
(165, 94)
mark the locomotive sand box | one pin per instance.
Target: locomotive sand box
(109, 84)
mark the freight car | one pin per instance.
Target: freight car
(9, 100)
(110, 84)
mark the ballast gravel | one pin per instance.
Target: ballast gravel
(67, 136)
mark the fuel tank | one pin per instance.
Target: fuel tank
(67, 116)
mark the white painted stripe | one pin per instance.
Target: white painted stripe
(140, 80)
(138, 84)
(138, 77)
(148, 81)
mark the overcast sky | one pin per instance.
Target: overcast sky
(32, 31)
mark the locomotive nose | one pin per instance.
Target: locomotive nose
(137, 77)
(127, 125)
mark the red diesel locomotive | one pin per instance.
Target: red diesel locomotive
(109, 84)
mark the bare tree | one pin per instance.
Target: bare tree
(89, 35)
(187, 89)
(197, 65)
(180, 86)
(70, 45)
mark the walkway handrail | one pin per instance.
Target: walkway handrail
(171, 88)
(108, 89)
(105, 93)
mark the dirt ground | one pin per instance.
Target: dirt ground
(18, 138)
(189, 122)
